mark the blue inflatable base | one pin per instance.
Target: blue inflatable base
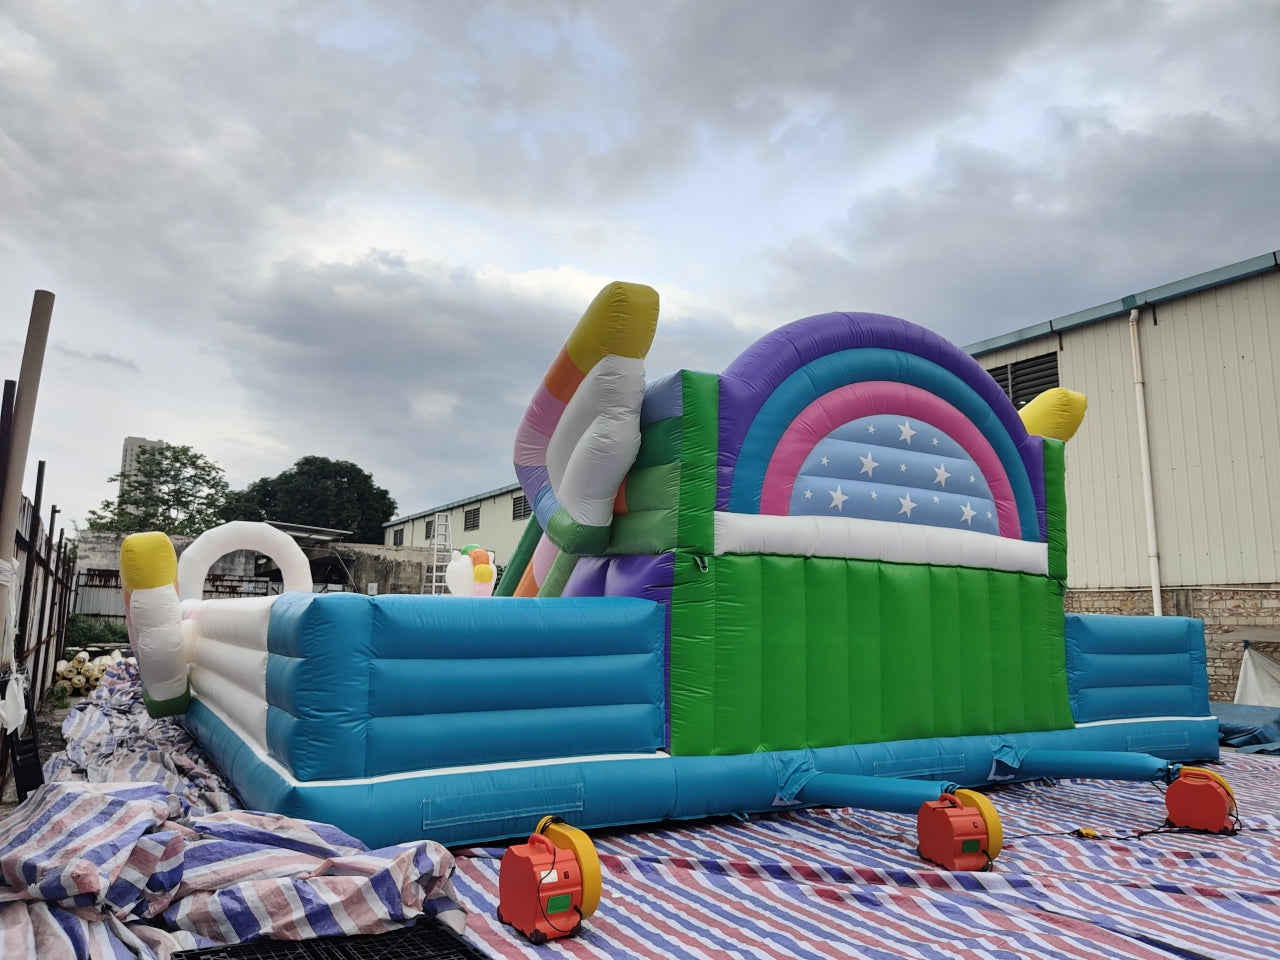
(467, 805)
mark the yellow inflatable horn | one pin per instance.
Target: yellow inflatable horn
(1056, 413)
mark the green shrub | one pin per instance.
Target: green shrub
(85, 631)
(59, 697)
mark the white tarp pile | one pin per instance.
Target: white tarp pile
(1259, 682)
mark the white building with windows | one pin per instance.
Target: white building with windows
(493, 520)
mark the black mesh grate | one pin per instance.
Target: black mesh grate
(427, 940)
(1026, 379)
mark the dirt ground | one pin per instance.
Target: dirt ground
(49, 731)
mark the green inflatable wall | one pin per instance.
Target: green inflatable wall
(783, 652)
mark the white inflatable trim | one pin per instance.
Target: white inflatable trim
(206, 549)
(156, 617)
(246, 668)
(596, 440)
(288, 777)
(247, 711)
(240, 621)
(856, 538)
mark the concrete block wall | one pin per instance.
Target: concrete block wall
(1231, 614)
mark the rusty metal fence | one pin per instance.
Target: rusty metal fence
(44, 584)
(99, 593)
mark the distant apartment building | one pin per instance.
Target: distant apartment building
(129, 456)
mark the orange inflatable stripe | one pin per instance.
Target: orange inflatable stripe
(564, 377)
(620, 501)
(527, 587)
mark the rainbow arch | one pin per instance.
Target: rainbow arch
(805, 380)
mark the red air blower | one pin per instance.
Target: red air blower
(549, 885)
(1200, 800)
(959, 831)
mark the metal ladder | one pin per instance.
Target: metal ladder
(441, 547)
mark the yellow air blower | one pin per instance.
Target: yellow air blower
(549, 885)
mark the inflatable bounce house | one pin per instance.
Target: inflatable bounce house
(831, 575)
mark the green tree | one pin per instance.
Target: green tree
(317, 492)
(173, 489)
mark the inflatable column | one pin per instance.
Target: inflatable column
(153, 614)
(581, 432)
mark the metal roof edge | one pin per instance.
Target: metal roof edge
(446, 507)
(1168, 291)
(1009, 339)
(1091, 315)
(1210, 278)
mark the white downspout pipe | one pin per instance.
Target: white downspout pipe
(1144, 450)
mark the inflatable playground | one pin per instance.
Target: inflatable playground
(832, 575)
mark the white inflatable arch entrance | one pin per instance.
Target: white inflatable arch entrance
(210, 546)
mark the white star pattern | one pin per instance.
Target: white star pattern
(909, 490)
(837, 498)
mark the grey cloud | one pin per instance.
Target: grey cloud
(987, 243)
(339, 358)
(163, 156)
(160, 146)
(407, 365)
(97, 357)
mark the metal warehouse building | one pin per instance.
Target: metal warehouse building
(1172, 480)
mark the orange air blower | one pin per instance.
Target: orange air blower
(549, 885)
(1200, 800)
(959, 831)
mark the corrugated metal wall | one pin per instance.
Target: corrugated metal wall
(1210, 363)
(1106, 522)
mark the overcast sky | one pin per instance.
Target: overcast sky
(362, 230)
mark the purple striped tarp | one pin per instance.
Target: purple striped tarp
(848, 883)
(115, 870)
(136, 847)
(166, 862)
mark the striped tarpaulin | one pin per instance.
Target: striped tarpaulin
(135, 847)
(848, 883)
(110, 738)
(117, 870)
(165, 862)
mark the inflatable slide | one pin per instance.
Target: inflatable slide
(831, 575)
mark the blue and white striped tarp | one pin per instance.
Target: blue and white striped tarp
(165, 863)
(847, 883)
(155, 860)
